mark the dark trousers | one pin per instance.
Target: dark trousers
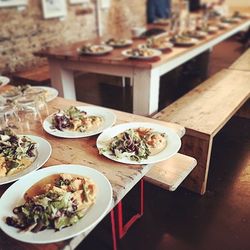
(157, 9)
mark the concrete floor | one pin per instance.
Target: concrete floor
(183, 220)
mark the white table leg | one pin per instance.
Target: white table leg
(62, 79)
(146, 84)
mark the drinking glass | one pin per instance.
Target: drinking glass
(39, 96)
(28, 112)
(9, 118)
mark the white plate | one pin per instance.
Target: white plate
(43, 153)
(191, 42)
(223, 25)
(212, 29)
(51, 93)
(167, 45)
(109, 120)
(106, 50)
(155, 53)
(4, 81)
(13, 196)
(173, 142)
(126, 43)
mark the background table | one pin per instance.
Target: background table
(144, 74)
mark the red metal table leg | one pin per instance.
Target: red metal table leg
(112, 217)
(122, 229)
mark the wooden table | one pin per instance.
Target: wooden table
(144, 75)
(83, 151)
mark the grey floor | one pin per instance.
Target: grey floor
(183, 220)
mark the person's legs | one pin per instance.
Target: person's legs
(161, 8)
(151, 11)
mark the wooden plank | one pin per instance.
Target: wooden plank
(170, 174)
(243, 62)
(206, 108)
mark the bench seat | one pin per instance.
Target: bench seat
(34, 76)
(243, 62)
(203, 112)
(169, 174)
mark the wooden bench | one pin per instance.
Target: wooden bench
(203, 112)
(171, 173)
(34, 76)
(242, 63)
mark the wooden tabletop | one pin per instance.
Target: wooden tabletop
(69, 52)
(83, 151)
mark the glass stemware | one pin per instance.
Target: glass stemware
(28, 112)
(9, 117)
(39, 96)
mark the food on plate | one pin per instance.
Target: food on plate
(35, 91)
(138, 144)
(118, 42)
(208, 29)
(140, 52)
(1, 82)
(16, 152)
(55, 202)
(183, 40)
(93, 49)
(159, 43)
(196, 34)
(75, 120)
(15, 92)
(230, 20)
(239, 15)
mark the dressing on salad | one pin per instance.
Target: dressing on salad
(55, 202)
(75, 120)
(16, 152)
(138, 144)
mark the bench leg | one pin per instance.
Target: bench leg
(200, 149)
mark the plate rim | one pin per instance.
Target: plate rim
(150, 160)
(170, 47)
(78, 134)
(5, 80)
(48, 88)
(32, 168)
(156, 51)
(128, 43)
(192, 42)
(66, 168)
(108, 50)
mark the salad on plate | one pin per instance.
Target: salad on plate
(74, 119)
(55, 202)
(17, 152)
(137, 144)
